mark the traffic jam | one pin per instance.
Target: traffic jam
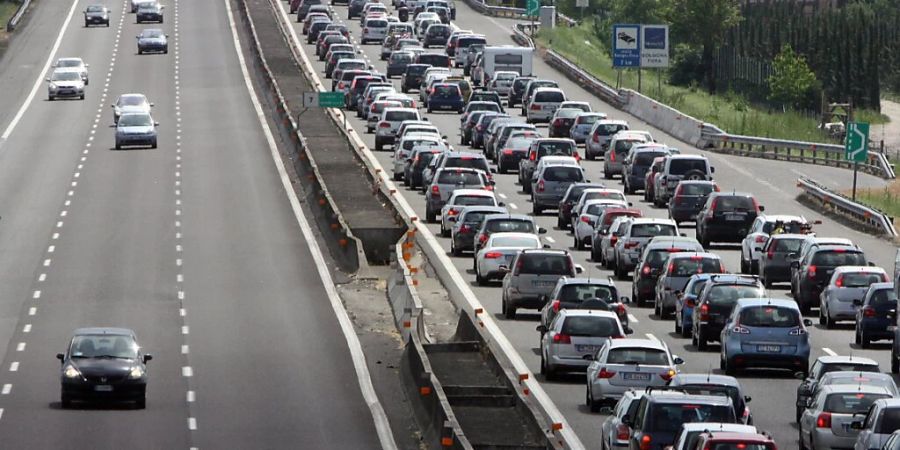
(625, 202)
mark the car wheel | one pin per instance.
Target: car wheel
(865, 341)
(702, 344)
(480, 280)
(607, 175)
(153, 145)
(536, 209)
(51, 98)
(685, 331)
(430, 217)
(444, 232)
(743, 266)
(593, 405)
(118, 146)
(895, 363)
(856, 339)
(453, 250)
(81, 97)
(509, 312)
(86, 24)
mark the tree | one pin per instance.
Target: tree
(704, 23)
(792, 78)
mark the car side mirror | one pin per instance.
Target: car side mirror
(588, 357)
(48, 78)
(712, 169)
(451, 219)
(579, 268)
(542, 230)
(151, 105)
(857, 302)
(147, 357)
(87, 65)
(626, 419)
(762, 208)
(807, 322)
(501, 204)
(137, 37)
(155, 124)
(546, 246)
(60, 356)
(871, 264)
(678, 361)
(541, 328)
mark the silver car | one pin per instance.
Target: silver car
(614, 432)
(630, 244)
(848, 283)
(447, 180)
(677, 270)
(461, 198)
(581, 129)
(877, 425)
(586, 221)
(500, 250)
(618, 149)
(136, 129)
(573, 335)
(550, 184)
(130, 104)
(826, 422)
(502, 82)
(609, 240)
(76, 64)
(65, 83)
(599, 136)
(624, 364)
(532, 276)
(405, 148)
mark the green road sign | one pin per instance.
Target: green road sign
(331, 99)
(533, 7)
(856, 147)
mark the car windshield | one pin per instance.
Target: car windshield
(728, 294)
(734, 203)
(851, 403)
(351, 65)
(68, 63)
(135, 120)
(65, 76)
(834, 258)
(652, 229)
(637, 355)
(474, 200)
(131, 100)
(94, 8)
(683, 166)
(555, 148)
(459, 177)
(573, 293)
(468, 162)
(400, 116)
(591, 326)
(510, 225)
(769, 316)
(669, 417)
(685, 267)
(731, 392)
(646, 158)
(563, 174)
(515, 242)
(544, 264)
(568, 113)
(624, 145)
(152, 34)
(103, 345)
(696, 189)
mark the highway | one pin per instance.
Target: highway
(772, 182)
(195, 245)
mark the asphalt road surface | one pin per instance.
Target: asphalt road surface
(194, 245)
(773, 182)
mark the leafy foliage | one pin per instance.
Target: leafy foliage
(792, 79)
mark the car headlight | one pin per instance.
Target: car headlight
(136, 372)
(71, 372)
(52, 86)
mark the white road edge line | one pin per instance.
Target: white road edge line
(632, 319)
(829, 351)
(382, 425)
(40, 78)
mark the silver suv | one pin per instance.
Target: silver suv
(638, 232)
(550, 185)
(445, 182)
(677, 168)
(532, 276)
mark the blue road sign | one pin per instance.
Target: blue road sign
(626, 45)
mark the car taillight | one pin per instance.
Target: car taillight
(839, 282)
(613, 240)
(631, 244)
(532, 156)
(464, 228)
(555, 305)
(540, 186)
(435, 191)
(645, 442)
(482, 238)
(585, 219)
(712, 208)
(671, 269)
(452, 212)
(620, 310)
(646, 269)
(811, 271)
(704, 312)
(557, 123)
(560, 338)
(622, 432)
(755, 204)
(384, 125)
(493, 255)
(507, 151)
(799, 331)
(824, 420)
(868, 311)
(761, 238)
(612, 155)
(605, 374)
(667, 375)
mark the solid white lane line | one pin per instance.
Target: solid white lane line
(41, 75)
(652, 337)
(379, 417)
(829, 351)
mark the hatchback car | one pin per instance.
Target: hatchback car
(573, 193)
(637, 162)
(775, 264)
(765, 332)
(467, 224)
(152, 40)
(397, 62)
(531, 278)
(543, 103)
(830, 364)
(812, 273)
(600, 135)
(459, 200)
(130, 103)
(75, 64)
(662, 412)
(581, 126)
(416, 163)
(103, 364)
(876, 314)
(499, 251)
(149, 12)
(96, 15)
(762, 227)
(879, 422)
(825, 423)
(385, 132)
(550, 184)
(618, 150)
(677, 270)
(588, 217)
(136, 129)
(539, 149)
(614, 433)
(689, 198)
(504, 223)
(445, 96)
(846, 289)
(755, 441)
(573, 336)
(436, 34)
(715, 303)
(652, 261)
(686, 437)
(726, 217)
(624, 364)
(445, 182)
(65, 83)
(714, 384)
(585, 293)
(686, 301)
(374, 30)
(631, 243)
(562, 121)
(517, 89)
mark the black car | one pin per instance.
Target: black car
(103, 364)
(314, 29)
(726, 217)
(689, 198)
(480, 95)
(397, 62)
(815, 270)
(715, 302)
(517, 89)
(436, 34)
(661, 412)
(573, 193)
(412, 78)
(152, 40)
(96, 15)
(149, 12)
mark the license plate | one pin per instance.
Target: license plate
(543, 283)
(769, 348)
(734, 217)
(103, 388)
(636, 376)
(585, 348)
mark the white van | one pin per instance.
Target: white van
(507, 59)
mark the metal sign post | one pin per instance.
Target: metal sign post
(533, 9)
(856, 147)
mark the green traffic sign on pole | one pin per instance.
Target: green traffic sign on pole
(856, 146)
(331, 99)
(532, 8)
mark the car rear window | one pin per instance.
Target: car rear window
(596, 209)
(485, 107)
(510, 225)
(545, 264)
(657, 256)
(731, 392)
(401, 57)
(550, 97)
(624, 145)
(610, 129)
(883, 297)
(416, 70)
(788, 245)
(446, 90)
(769, 316)
(697, 287)
(860, 279)
(728, 294)
(683, 166)
(485, 97)
(555, 148)
(439, 30)
(459, 177)
(434, 59)
(652, 229)
(568, 113)
(696, 189)
(587, 119)
(646, 158)
(637, 355)
(376, 23)
(564, 174)
(572, 293)
(734, 203)
(834, 258)
(409, 144)
(669, 417)
(685, 267)
(845, 367)
(519, 83)
(740, 446)
(400, 116)
(467, 162)
(591, 326)
(609, 195)
(464, 42)
(851, 403)
(350, 65)
(474, 200)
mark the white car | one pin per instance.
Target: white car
(136, 4)
(386, 130)
(405, 147)
(584, 224)
(65, 83)
(623, 364)
(574, 334)
(502, 81)
(74, 64)
(596, 194)
(543, 104)
(459, 199)
(374, 30)
(751, 246)
(130, 103)
(500, 250)
(690, 431)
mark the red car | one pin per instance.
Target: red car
(734, 441)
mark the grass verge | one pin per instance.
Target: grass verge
(887, 199)
(730, 112)
(7, 9)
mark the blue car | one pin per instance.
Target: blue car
(765, 332)
(446, 96)
(874, 314)
(685, 302)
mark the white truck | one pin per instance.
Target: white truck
(505, 58)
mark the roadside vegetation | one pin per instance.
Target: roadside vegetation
(887, 199)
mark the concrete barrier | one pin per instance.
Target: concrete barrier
(664, 117)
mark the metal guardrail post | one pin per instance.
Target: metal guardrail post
(844, 206)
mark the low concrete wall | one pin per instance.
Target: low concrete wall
(664, 117)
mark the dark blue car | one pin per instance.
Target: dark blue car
(875, 313)
(446, 96)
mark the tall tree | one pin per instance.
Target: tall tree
(704, 23)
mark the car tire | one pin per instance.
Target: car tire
(153, 145)
(856, 339)
(593, 405)
(428, 110)
(538, 210)
(508, 311)
(430, 217)
(454, 251)
(86, 24)
(685, 331)
(607, 175)
(702, 344)
(444, 232)
(620, 274)
(865, 341)
(744, 269)
(141, 403)
(51, 98)
(81, 97)
(118, 146)
(895, 363)
(65, 401)
(398, 177)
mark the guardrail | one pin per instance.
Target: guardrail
(17, 17)
(458, 288)
(515, 13)
(798, 151)
(845, 207)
